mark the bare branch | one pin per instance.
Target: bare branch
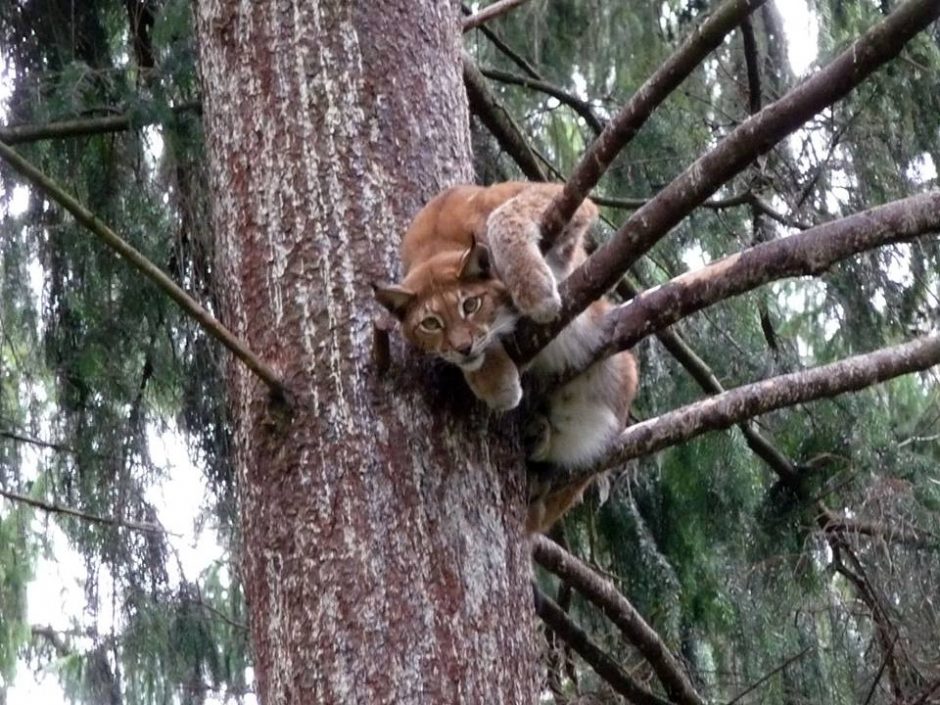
(768, 675)
(593, 655)
(489, 12)
(754, 137)
(18, 134)
(189, 305)
(498, 121)
(618, 609)
(581, 107)
(810, 252)
(634, 114)
(728, 408)
(94, 518)
(706, 379)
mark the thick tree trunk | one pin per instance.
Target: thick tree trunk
(383, 556)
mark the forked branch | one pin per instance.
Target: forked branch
(593, 655)
(706, 175)
(618, 609)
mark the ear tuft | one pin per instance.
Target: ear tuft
(395, 298)
(475, 263)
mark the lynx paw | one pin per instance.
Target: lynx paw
(541, 305)
(537, 438)
(506, 397)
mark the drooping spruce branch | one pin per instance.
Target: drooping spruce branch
(621, 129)
(731, 407)
(810, 252)
(618, 609)
(593, 655)
(706, 175)
(19, 134)
(52, 508)
(189, 305)
(489, 12)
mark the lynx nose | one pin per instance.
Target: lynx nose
(465, 348)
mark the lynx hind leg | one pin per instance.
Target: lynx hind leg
(513, 235)
(496, 382)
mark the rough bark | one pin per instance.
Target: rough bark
(383, 555)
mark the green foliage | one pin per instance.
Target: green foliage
(729, 563)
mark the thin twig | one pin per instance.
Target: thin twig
(581, 107)
(769, 675)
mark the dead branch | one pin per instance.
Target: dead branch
(581, 107)
(498, 121)
(489, 12)
(641, 105)
(763, 679)
(618, 609)
(85, 516)
(754, 137)
(143, 265)
(807, 253)
(18, 134)
(731, 407)
(593, 655)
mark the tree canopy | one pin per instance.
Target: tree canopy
(790, 558)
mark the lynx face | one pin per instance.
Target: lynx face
(451, 307)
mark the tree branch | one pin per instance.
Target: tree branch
(94, 518)
(498, 121)
(581, 107)
(489, 12)
(634, 114)
(618, 609)
(728, 408)
(810, 252)
(18, 134)
(205, 319)
(752, 138)
(594, 656)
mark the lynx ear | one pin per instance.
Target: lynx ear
(395, 298)
(475, 263)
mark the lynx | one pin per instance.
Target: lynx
(472, 268)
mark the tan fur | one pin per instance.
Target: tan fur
(473, 265)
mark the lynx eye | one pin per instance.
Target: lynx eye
(431, 324)
(471, 305)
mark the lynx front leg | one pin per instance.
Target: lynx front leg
(513, 234)
(496, 382)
